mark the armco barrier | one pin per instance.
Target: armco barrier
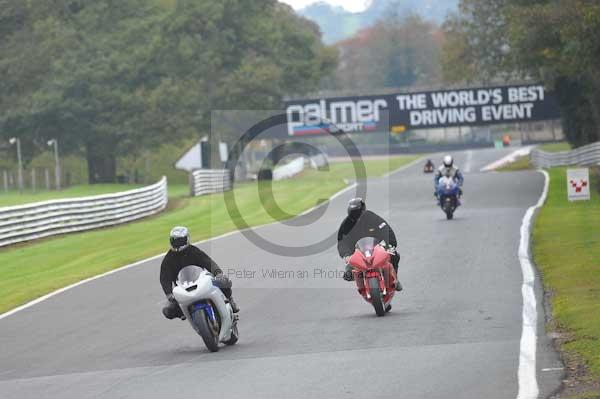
(289, 170)
(209, 181)
(43, 219)
(584, 156)
(318, 161)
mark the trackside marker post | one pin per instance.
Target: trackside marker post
(578, 184)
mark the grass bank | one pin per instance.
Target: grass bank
(566, 246)
(32, 270)
(555, 147)
(15, 198)
(522, 163)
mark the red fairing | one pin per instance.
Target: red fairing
(378, 264)
(359, 261)
(380, 257)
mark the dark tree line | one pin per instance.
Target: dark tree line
(555, 41)
(113, 78)
(400, 50)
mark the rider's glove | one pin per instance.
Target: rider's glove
(391, 250)
(222, 281)
(171, 298)
(348, 276)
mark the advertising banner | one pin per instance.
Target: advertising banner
(422, 110)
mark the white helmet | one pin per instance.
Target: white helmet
(448, 161)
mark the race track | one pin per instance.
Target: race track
(453, 333)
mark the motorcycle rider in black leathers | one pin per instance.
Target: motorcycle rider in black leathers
(180, 255)
(362, 223)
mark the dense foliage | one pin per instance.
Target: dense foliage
(398, 51)
(555, 41)
(115, 78)
(339, 24)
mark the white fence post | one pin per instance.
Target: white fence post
(33, 179)
(43, 219)
(47, 176)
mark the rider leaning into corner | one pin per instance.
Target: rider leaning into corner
(180, 255)
(362, 223)
(448, 169)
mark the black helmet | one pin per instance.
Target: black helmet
(179, 238)
(356, 207)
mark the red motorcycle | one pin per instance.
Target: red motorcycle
(374, 274)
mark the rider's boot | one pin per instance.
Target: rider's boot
(234, 305)
(398, 286)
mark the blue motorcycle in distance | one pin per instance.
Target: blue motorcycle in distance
(448, 193)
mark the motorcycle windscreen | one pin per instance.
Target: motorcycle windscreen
(447, 184)
(367, 246)
(188, 275)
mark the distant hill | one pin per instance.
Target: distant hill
(338, 24)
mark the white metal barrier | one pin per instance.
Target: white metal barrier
(43, 219)
(585, 156)
(209, 181)
(319, 161)
(289, 170)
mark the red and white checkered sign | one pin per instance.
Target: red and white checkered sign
(578, 184)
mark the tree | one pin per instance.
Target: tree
(476, 47)
(114, 78)
(556, 42)
(564, 51)
(398, 51)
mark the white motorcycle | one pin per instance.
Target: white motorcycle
(205, 307)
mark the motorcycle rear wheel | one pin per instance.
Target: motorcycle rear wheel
(205, 330)
(376, 296)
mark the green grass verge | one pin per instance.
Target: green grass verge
(14, 198)
(555, 147)
(566, 250)
(32, 270)
(588, 395)
(522, 163)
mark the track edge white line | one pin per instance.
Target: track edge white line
(527, 372)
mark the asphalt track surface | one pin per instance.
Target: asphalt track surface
(453, 333)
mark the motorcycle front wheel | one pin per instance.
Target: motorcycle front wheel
(206, 329)
(376, 296)
(448, 209)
